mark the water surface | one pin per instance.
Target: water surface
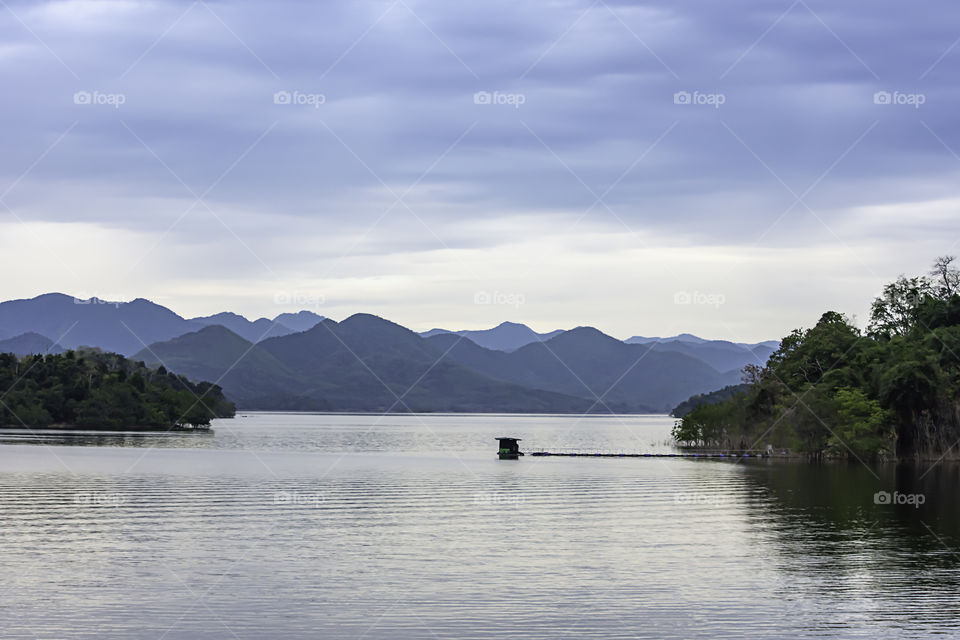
(345, 526)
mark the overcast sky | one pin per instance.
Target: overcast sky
(723, 168)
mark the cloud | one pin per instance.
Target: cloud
(781, 145)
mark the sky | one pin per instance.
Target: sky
(727, 169)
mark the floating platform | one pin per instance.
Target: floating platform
(510, 450)
(752, 453)
(650, 455)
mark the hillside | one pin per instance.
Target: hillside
(507, 336)
(123, 327)
(102, 390)
(301, 361)
(834, 391)
(591, 364)
(29, 344)
(364, 363)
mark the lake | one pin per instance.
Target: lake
(347, 526)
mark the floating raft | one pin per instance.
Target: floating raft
(699, 454)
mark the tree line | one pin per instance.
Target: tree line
(836, 391)
(93, 389)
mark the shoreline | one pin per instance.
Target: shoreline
(132, 429)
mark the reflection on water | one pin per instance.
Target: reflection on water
(300, 526)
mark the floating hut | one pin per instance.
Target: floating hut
(509, 449)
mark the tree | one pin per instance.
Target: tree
(102, 390)
(948, 277)
(829, 390)
(862, 426)
(805, 358)
(895, 312)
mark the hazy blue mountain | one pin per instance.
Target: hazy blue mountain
(122, 327)
(254, 331)
(361, 364)
(714, 397)
(773, 345)
(683, 337)
(719, 354)
(126, 327)
(29, 344)
(589, 363)
(506, 336)
(301, 321)
(244, 371)
(340, 366)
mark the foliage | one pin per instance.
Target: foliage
(830, 390)
(93, 389)
(863, 428)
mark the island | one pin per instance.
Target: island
(92, 389)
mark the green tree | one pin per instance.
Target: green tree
(862, 427)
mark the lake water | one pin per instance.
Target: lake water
(334, 526)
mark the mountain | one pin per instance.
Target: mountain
(242, 369)
(589, 363)
(302, 361)
(683, 337)
(364, 363)
(506, 336)
(127, 327)
(714, 397)
(773, 345)
(122, 327)
(719, 354)
(254, 331)
(29, 344)
(301, 321)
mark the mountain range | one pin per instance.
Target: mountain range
(127, 327)
(506, 336)
(304, 362)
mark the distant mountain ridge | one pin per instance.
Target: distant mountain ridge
(302, 361)
(363, 363)
(261, 328)
(30, 344)
(367, 363)
(589, 363)
(507, 336)
(122, 327)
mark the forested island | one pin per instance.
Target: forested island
(96, 390)
(834, 391)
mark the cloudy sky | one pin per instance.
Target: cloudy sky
(730, 169)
